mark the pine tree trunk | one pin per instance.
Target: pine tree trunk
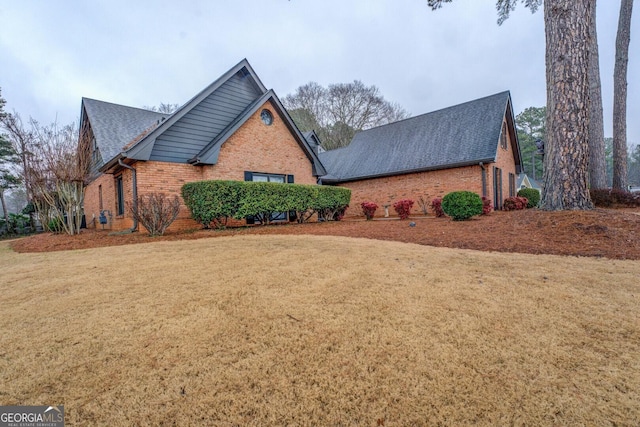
(597, 161)
(567, 147)
(620, 97)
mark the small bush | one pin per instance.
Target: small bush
(156, 212)
(403, 208)
(368, 209)
(436, 205)
(56, 225)
(462, 205)
(515, 203)
(532, 195)
(486, 205)
(608, 197)
(424, 204)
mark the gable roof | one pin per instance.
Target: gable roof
(195, 132)
(462, 135)
(115, 125)
(143, 148)
(209, 154)
(314, 141)
(524, 179)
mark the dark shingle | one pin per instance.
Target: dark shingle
(464, 134)
(115, 126)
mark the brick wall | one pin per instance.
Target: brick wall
(253, 147)
(428, 185)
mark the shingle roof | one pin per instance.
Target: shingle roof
(127, 132)
(461, 135)
(115, 126)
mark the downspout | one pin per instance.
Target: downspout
(484, 179)
(135, 193)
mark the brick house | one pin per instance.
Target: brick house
(471, 146)
(236, 129)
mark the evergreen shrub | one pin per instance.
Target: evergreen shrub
(462, 205)
(532, 195)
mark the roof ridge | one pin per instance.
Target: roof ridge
(125, 106)
(434, 111)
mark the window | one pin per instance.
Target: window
(503, 136)
(263, 177)
(100, 197)
(119, 195)
(512, 185)
(266, 117)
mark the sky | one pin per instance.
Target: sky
(143, 53)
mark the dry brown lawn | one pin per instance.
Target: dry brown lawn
(301, 330)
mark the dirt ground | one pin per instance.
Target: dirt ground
(609, 233)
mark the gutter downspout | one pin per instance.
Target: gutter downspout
(484, 179)
(135, 193)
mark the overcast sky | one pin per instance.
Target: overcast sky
(136, 53)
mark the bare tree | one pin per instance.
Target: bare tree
(163, 108)
(597, 161)
(336, 113)
(620, 97)
(156, 212)
(59, 173)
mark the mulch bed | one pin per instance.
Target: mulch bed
(610, 233)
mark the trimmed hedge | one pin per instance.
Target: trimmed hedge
(216, 201)
(213, 201)
(462, 205)
(331, 202)
(532, 195)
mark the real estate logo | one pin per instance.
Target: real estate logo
(32, 416)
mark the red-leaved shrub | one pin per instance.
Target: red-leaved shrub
(515, 203)
(403, 208)
(486, 205)
(368, 209)
(436, 205)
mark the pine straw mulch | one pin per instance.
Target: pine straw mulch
(609, 233)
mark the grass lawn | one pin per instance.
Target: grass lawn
(301, 330)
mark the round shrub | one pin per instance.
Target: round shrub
(462, 205)
(532, 195)
(368, 209)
